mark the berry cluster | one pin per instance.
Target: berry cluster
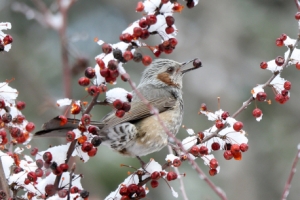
(226, 134)
(132, 191)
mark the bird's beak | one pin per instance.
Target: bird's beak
(196, 65)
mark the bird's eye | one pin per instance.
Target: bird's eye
(170, 70)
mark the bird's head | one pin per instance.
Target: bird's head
(165, 73)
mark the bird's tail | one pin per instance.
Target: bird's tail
(53, 128)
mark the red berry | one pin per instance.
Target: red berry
(127, 55)
(106, 48)
(62, 193)
(137, 32)
(143, 23)
(118, 104)
(297, 16)
(256, 112)
(123, 191)
(6, 117)
(64, 167)
(151, 19)
(39, 172)
(298, 65)
(17, 170)
(201, 135)
(7, 39)
(213, 172)
(173, 42)
(235, 148)
(263, 65)
(32, 176)
(34, 151)
(155, 175)
(169, 29)
(284, 92)
(203, 150)
(70, 136)
(177, 7)
(224, 115)
(228, 155)
(279, 98)
(26, 181)
(219, 124)
(215, 146)
(139, 6)
(164, 1)
(15, 132)
(237, 156)
(279, 60)
(126, 106)
(237, 126)
(50, 189)
(100, 63)
(170, 20)
(244, 147)
(171, 176)
(287, 85)
(120, 113)
(190, 4)
(89, 72)
(261, 96)
(194, 150)
(147, 60)
(176, 162)
(112, 65)
(47, 157)
(39, 163)
(83, 81)
(92, 90)
(92, 152)
(86, 146)
(74, 190)
(213, 163)
(132, 188)
(203, 107)
(154, 183)
(283, 36)
(145, 34)
(126, 37)
(279, 42)
(20, 105)
(30, 126)
(104, 72)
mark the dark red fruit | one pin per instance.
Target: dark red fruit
(279, 60)
(287, 85)
(89, 72)
(83, 81)
(237, 126)
(263, 65)
(171, 176)
(47, 157)
(120, 113)
(20, 105)
(256, 112)
(261, 96)
(244, 147)
(106, 48)
(170, 20)
(151, 19)
(215, 146)
(147, 60)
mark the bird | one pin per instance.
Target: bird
(138, 132)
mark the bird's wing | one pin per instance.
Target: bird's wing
(139, 110)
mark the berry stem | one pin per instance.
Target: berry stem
(292, 173)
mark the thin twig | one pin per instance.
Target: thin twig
(292, 173)
(182, 188)
(3, 183)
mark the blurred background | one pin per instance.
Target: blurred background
(230, 37)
